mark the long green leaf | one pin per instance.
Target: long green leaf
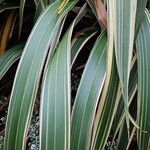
(8, 59)
(124, 20)
(110, 60)
(143, 57)
(132, 91)
(120, 114)
(55, 105)
(28, 75)
(124, 24)
(61, 110)
(88, 95)
(108, 110)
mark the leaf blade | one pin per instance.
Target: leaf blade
(84, 108)
(55, 111)
(142, 45)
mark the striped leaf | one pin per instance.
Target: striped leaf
(143, 55)
(60, 64)
(28, 75)
(88, 95)
(132, 91)
(105, 119)
(110, 60)
(124, 24)
(124, 20)
(55, 102)
(8, 59)
(119, 120)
